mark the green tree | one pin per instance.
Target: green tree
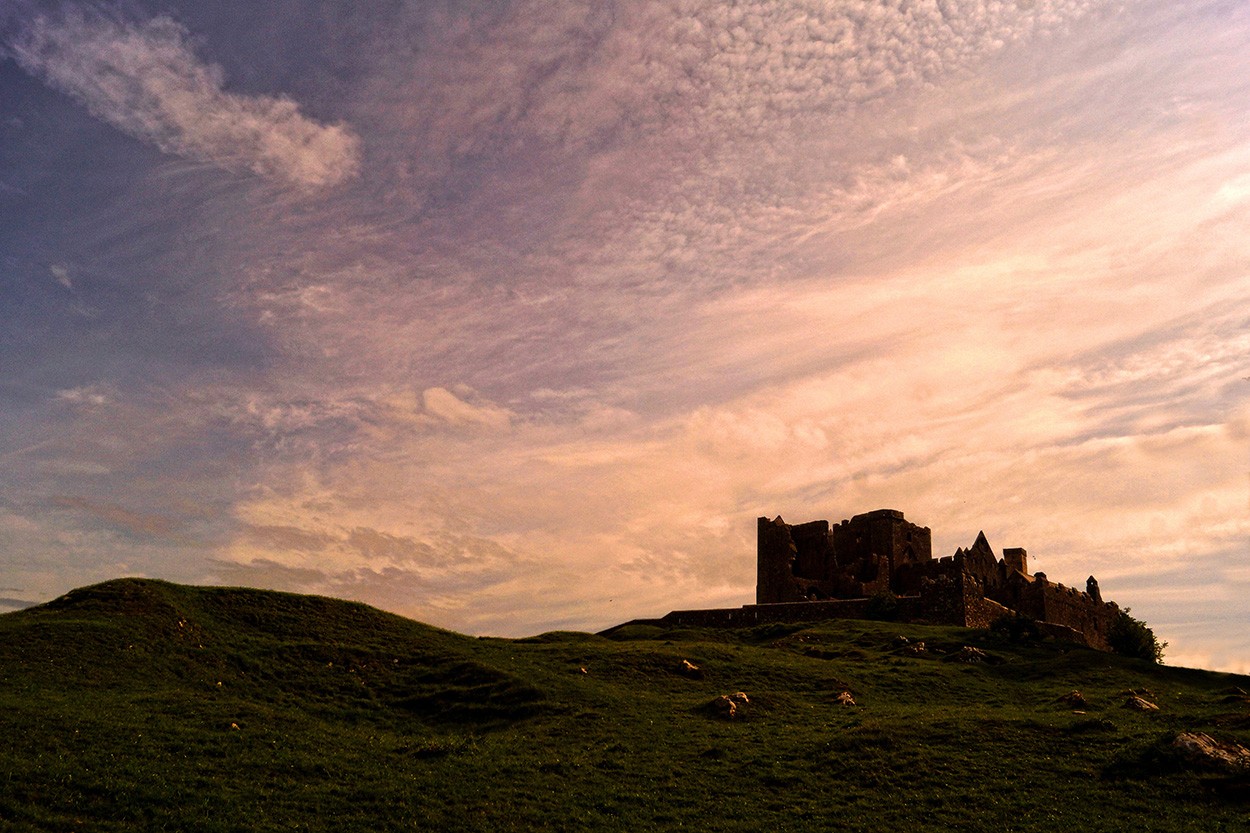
(1132, 638)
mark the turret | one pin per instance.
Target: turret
(1016, 558)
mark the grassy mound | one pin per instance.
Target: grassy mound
(143, 705)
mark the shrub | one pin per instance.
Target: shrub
(883, 606)
(1132, 638)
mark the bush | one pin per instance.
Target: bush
(1132, 638)
(883, 606)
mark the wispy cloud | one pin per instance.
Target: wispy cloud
(128, 521)
(616, 278)
(60, 273)
(86, 396)
(454, 410)
(145, 79)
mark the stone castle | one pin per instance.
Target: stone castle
(879, 564)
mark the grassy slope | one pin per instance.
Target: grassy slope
(142, 705)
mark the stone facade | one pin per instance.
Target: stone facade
(814, 571)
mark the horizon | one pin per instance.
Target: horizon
(514, 317)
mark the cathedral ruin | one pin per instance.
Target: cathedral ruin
(879, 564)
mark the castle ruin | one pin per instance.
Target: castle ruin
(817, 570)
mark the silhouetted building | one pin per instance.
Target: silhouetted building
(878, 560)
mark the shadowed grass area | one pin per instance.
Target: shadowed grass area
(142, 705)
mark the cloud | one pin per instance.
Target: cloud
(544, 93)
(326, 535)
(288, 538)
(121, 519)
(262, 572)
(86, 396)
(61, 274)
(622, 277)
(146, 80)
(453, 410)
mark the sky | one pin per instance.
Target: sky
(513, 316)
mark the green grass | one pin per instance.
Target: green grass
(142, 705)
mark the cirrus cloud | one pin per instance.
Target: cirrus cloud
(146, 80)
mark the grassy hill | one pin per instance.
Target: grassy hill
(143, 705)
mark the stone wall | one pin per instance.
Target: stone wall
(907, 608)
(1075, 609)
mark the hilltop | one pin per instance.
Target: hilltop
(140, 705)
